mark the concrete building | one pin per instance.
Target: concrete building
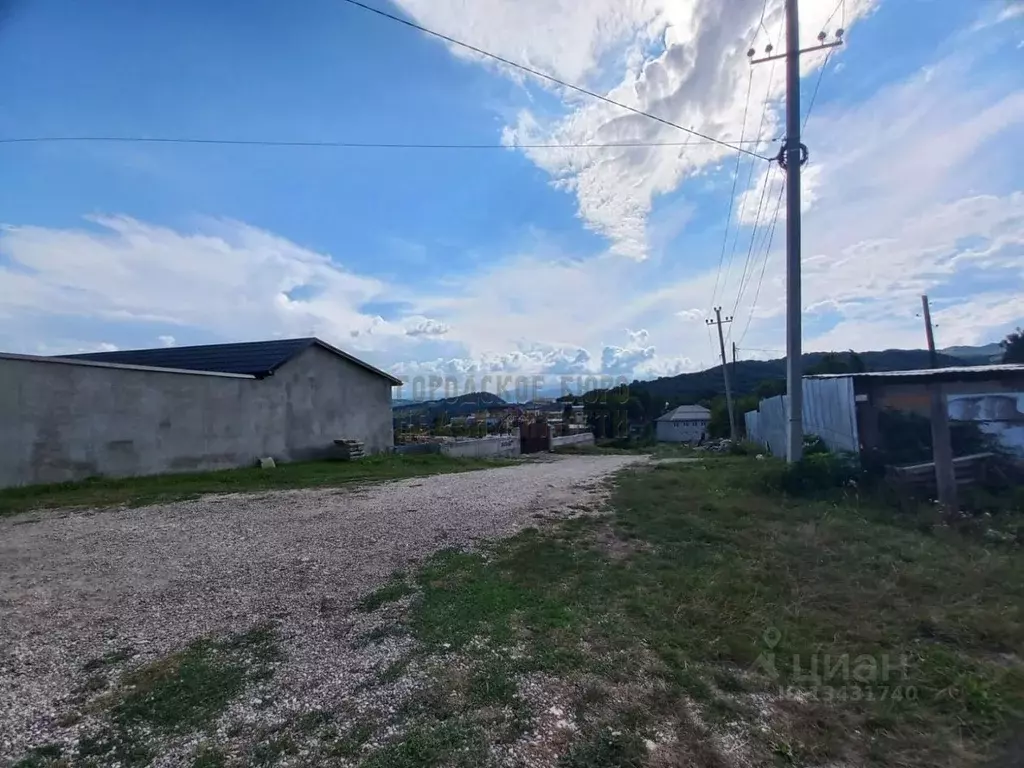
(177, 409)
(685, 424)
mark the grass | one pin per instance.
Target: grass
(902, 643)
(181, 693)
(153, 489)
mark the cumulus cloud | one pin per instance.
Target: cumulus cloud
(425, 327)
(684, 62)
(229, 279)
(166, 341)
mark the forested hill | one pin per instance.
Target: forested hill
(704, 385)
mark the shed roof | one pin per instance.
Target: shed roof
(688, 412)
(953, 373)
(250, 358)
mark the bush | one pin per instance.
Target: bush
(815, 473)
(814, 445)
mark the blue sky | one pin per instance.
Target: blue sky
(507, 260)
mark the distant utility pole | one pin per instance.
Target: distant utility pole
(725, 368)
(792, 156)
(942, 448)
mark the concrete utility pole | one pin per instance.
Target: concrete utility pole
(942, 447)
(791, 157)
(725, 368)
(794, 351)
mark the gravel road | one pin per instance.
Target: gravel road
(75, 586)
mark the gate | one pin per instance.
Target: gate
(534, 437)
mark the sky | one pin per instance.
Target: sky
(506, 257)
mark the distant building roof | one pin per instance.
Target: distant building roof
(953, 373)
(687, 412)
(250, 358)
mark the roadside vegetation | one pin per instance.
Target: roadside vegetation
(713, 620)
(154, 489)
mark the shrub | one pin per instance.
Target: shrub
(815, 473)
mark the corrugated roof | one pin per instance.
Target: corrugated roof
(686, 412)
(953, 372)
(250, 358)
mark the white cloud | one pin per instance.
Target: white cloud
(424, 326)
(684, 62)
(229, 279)
(166, 341)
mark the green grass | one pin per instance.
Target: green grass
(153, 489)
(181, 693)
(729, 591)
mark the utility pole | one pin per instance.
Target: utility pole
(734, 361)
(791, 157)
(725, 368)
(942, 447)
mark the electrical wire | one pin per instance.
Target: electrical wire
(814, 93)
(549, 78)
(744, 280)
(735, 178)
(764, 264)
(750, 174)
(842, 21)
(346, 144)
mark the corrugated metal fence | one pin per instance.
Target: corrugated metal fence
(829, 412)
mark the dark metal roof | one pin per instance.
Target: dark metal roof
(251, 358)
(953, 373)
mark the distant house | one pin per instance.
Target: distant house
(685, 424)
(176, 409)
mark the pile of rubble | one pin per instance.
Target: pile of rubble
(724, 445)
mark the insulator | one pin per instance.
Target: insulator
(768, 48)
(840, 32)
(751, 53)
(821, 36)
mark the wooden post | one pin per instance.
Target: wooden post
(942, 448)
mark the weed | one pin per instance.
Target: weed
(389, 593)
(209, 756)
(41, 756)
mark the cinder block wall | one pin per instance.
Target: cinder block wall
(63, 422)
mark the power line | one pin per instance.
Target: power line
(549, 78)
(735, 178)
(842, 21)
(750, 173)
(744, 281)
(764, 264)
(347, 144)
(817, 85)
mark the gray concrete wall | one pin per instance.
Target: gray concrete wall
(483, 447)
(583, 438)
(61, 421)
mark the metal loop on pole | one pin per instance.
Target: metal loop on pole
(781, 158)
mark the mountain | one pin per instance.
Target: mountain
(462, 405)
(988, 353)
(703, 385)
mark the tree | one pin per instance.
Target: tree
(835, 363)
(1013, 347)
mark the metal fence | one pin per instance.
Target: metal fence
(829, 412)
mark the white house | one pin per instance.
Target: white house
(685, 424)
